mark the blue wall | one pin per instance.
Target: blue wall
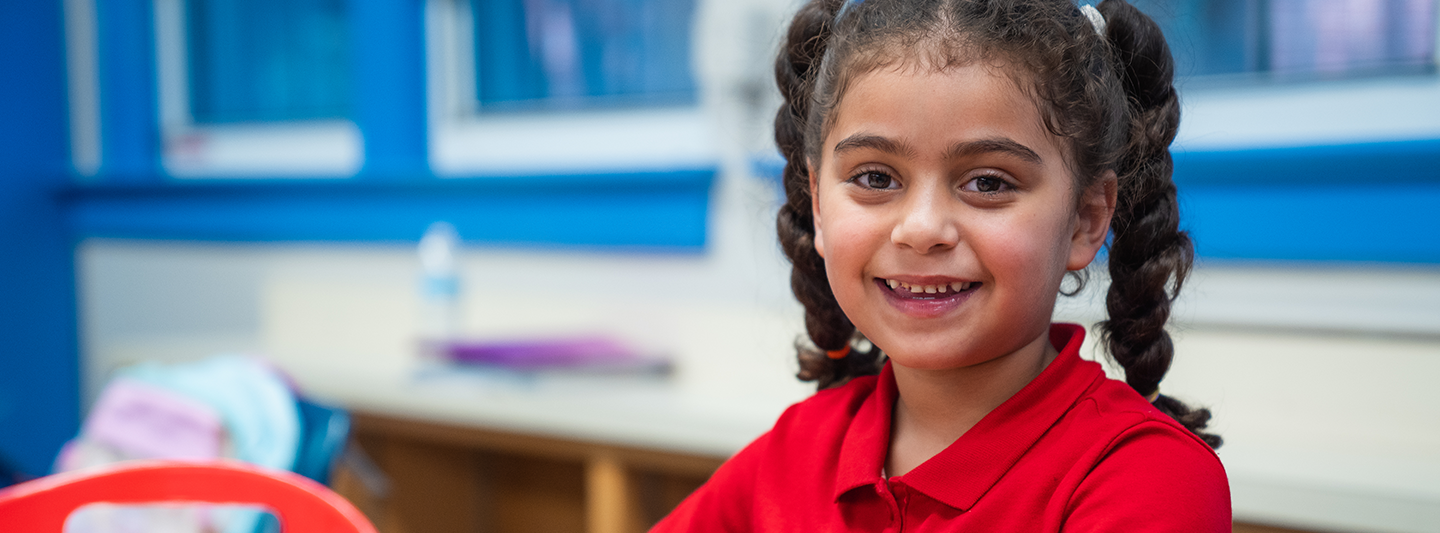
(1373, 202)
(642, 211)
(39, 366)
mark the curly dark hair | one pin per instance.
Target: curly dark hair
(1112, 97)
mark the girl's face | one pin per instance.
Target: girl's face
(946, 214)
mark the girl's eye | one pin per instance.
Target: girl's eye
(988, 184)
(875, 180)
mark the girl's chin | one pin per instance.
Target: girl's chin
(937, 363)
(931, 356)
(956, 347)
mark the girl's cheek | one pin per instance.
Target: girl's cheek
(849, 227)
(1033, 246)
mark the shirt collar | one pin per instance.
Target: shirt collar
(960, 474)
(862, 454)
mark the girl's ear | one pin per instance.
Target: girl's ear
(815, 207)
(1092, 225)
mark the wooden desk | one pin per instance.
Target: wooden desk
(495, 451)
(446, 477)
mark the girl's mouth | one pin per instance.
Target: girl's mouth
(926, 300)
(916, 291)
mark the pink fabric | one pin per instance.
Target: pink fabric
(143, 421)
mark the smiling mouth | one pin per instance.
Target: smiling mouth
(915, 291)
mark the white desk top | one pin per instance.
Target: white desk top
(638, 411)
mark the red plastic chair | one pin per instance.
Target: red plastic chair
(301, 505)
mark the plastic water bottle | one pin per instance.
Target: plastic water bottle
(439, 288)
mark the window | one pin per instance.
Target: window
(266, 60)
(564, 86)
(275, 89)
(255, 88)
(1298, 38)
(1367, 68)
(568, 54)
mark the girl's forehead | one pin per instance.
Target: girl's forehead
(959, 94)
(928, 53)
(929, 57)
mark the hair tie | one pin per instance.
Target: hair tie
(1153, 396)
(1096, 19)
(838, 354)
(844, 8)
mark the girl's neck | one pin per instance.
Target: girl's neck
(936, 407)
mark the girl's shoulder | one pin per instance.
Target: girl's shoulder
(1128, 442)
(1113, 462)
(1119, 411)
(1144, 467)
(834, 408)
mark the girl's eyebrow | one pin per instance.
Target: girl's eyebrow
(874, 142)
(1001, 144)
(958, 150)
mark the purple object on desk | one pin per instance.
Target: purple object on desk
(600, 354)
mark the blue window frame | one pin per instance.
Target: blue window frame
(267, 60)
(571, 54)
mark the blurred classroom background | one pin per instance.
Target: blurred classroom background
(185, 178)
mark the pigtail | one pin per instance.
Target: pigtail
(1149, 255)
(829, 330)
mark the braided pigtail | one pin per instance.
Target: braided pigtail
(1149, 255)
(829, 330)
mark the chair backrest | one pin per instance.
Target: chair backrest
(301, 505)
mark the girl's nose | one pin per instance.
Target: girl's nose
(927, 223)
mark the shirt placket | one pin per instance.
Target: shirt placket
(895, 495)
(902, 502)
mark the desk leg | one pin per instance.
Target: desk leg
(610, 499)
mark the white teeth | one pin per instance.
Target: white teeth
(943, 288)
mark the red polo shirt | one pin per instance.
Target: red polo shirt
(1072, 451)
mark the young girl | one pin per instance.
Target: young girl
(949, 162)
